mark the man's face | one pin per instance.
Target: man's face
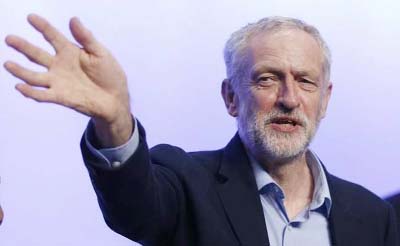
(283, 96)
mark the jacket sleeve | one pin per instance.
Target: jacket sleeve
(139, 200)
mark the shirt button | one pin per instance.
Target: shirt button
(115, 164)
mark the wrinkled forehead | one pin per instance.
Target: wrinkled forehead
(285, 48)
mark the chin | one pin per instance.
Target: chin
(271, 145)
(284, 149)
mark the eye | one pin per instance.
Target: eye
(308, 84)
(266, 80)
(305, 80)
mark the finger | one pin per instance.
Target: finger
(33, 53)
(38, 95)
(28, 76)
(84, 37)
(51, 34)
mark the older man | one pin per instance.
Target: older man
(264, 188)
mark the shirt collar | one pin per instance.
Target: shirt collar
(321, 196)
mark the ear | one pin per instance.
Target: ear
(326, 95)
(230, 98)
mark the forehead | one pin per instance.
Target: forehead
(287, 49)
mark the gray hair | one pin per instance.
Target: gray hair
(238, 41)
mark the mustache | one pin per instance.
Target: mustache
(294, 116)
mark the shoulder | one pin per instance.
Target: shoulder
(395, 200)
(177, 158)
(356, 197)
(165, 150)
(357, 210)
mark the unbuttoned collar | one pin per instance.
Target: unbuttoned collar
(321, 196)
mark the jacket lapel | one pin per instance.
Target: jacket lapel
(239, 195)
(343, 219)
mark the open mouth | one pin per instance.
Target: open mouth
(285, 124)
(285, 121)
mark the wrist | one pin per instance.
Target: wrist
(116, 132)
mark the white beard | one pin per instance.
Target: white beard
(259, 137)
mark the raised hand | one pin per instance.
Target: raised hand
(87, 79)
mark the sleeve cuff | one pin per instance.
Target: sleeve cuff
(112, 157)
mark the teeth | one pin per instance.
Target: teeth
(286, 122)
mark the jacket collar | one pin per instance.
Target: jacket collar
(239, 195)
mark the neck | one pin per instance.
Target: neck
(295, 178)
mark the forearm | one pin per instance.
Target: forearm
(137, 198)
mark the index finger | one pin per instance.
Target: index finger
(50, 33)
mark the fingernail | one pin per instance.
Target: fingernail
(6, 65)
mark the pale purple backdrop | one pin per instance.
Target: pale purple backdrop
(172, 53)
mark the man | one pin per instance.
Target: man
(264, 188)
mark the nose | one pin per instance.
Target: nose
(288, 98)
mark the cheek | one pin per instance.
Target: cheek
(313, 107)
(264, 100)
(256, 100)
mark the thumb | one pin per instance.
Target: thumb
(84, 37)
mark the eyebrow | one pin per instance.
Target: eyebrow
(279, 71)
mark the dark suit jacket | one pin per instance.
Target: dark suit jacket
(170, 197)
(395, 201)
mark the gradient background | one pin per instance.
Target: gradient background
(172, 53)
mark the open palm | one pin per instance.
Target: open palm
(88, 79)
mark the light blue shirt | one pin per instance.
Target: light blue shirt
(309, 228)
